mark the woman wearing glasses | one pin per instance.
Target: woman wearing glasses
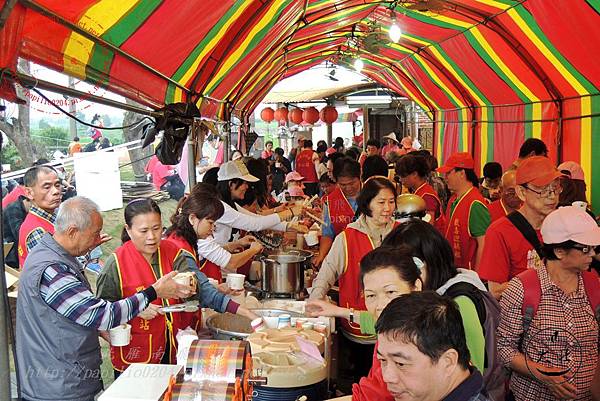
(555, 356)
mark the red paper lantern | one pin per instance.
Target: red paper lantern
(328, 114)
(267, 114)
(310, 115)
(295, 116)
(281, 114)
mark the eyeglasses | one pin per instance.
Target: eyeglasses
(546, 192)
(587, 248)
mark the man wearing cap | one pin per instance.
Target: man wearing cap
(391, 146)
(467, 217)
(509, 201)
(507, 251)
(305, 166)
(556, 355)
(340, 205)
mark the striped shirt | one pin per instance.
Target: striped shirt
(65, 293)
(563, 334)
(34, 236)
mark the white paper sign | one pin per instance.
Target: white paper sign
(98, 178)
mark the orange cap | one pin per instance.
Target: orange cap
(457, 160)
(537, 170)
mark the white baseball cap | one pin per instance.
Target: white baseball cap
(235, 169)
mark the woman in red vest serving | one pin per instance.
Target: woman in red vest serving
(194, 220)
(376, 206)
(142, 259)
(467, 216)
(413, 171)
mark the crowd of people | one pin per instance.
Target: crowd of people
(451, 286)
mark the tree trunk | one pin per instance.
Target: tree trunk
(17, 129)
(139, 156)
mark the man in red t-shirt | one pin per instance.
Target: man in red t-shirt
(506, 252)
(509, 201)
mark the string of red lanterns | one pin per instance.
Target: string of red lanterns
(309, 115)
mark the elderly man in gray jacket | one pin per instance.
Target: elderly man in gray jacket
(58, 316)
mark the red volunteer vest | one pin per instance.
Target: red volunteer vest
(427, 190)
(31, 222)
(340, 212)
(305, 166)
(207, 267)
(457, 231)
(497, 210)
(358, 244)
(148, 337)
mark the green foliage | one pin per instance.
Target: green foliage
(43, 124)
(54, 138)
(10, 155)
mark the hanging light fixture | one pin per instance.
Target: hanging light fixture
(395, 32)
(358, 64)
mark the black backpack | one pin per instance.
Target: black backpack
(488, 312)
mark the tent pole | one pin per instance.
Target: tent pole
(99, 41)
(5, 323)
(5, 12)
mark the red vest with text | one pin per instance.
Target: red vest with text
(340, 212)
(358, 244)
(458, 235)
(31, 222)
(497, 210)
(207, 267)
(305, 166)
(148, 337)
(427, 190)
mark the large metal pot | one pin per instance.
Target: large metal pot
(226, 326)
(306, 255)
(283, 273)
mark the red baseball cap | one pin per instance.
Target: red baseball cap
(457, 160)
(537, 170)
(570, 223)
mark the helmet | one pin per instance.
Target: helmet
(410, 206)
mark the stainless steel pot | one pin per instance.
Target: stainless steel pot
(283, 273)
(306, 255)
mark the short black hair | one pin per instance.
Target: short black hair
(322, 148)
(339, 141)
(345, 167)
(398, 258)
(374, 142)
(470, 176)
(369, 191)
(40, 162)
(410, 163)
(278, 151)
(548, 249)
(211, 176)
(429, 321)
(76, 139)
(352, 153)
(307, 144)
(31, 176)
(533, 145)
(325, 179)
(429, 245)
(492, 170)
(374, 165)
(335, 156)
(268, 142)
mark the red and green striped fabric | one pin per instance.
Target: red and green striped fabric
(490, 73)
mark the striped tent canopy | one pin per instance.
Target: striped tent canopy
(490, 73)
